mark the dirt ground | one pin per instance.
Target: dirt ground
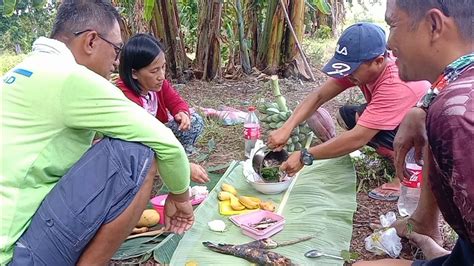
(230, 145)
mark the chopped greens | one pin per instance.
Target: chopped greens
(271, 174)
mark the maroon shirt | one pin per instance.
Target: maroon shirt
(450, 126)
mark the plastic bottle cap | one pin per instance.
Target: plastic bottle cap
(251, 108)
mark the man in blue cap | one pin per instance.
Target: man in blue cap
(361, 59)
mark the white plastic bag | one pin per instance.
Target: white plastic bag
(387, 219)
(386, 239)
(247, 168)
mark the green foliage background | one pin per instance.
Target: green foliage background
(27, 22)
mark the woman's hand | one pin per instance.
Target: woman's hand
(198, 174)
(183, 120)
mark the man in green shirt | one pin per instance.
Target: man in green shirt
(62, 201)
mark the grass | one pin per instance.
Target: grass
(319, 51)
(8, 61)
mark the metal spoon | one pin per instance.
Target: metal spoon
(314, 253)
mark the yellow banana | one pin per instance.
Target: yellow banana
(267, 205)
(224, 195)
(229, 188)
(235, 204)
(248, 202)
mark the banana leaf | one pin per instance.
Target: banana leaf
(137, 247)
(7, 7)
(163, 252)
(149, 5)
(323, 6)
(320, 202)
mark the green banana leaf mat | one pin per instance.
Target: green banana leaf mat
(320, 202)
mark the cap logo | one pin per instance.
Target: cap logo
(341, 50)
(339, 69)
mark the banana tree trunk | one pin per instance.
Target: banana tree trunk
(244, 54)
(265, 37)
(271, 48)
(165, 25)
(251, 32)
(296, 13)
(208, 59)
(338, 16)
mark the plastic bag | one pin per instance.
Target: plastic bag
(228, 116)
(199, 193)
(247, 168)
(386, 239)
(387, 219)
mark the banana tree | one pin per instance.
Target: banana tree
(7, 7)
(279, 48)
(208, 59)
(165, 25)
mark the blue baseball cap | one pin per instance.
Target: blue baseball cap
(359, 43)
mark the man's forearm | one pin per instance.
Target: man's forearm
(335, 147)
(343, 144)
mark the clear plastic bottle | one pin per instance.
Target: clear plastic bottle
(410, 187)
(251, 130)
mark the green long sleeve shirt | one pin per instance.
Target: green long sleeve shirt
(51, 108)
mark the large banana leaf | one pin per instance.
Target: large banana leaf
(148, 10)
(137, 247)
(323, 6)
(163, 252)
(7, 7)
(321, 202)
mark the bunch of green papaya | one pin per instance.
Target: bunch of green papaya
(272, 117)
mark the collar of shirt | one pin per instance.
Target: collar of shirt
(52, 46)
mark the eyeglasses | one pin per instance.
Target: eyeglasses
(444, 8)
(117, 48)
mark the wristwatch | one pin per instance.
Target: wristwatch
(306, 157)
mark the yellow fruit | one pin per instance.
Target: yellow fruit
(248, 202)
(229, 188)
(149, 218)
(139, 230)
(235, 204)
(267, 205)
(224, 195)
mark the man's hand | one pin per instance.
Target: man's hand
(293, 164)
(411, 133)
(277, 139)
(184, 121)
(179, 216)
(198, 174)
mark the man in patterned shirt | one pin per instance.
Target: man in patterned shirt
(434, 40)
